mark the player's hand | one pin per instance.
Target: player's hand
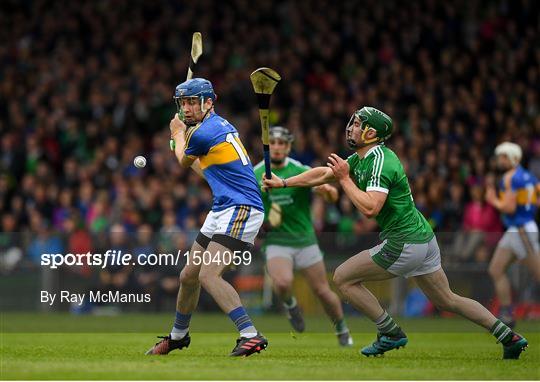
(177, 126)
(339, 167)
(329, 193)
(274, 182)
(489, 180)
(491, 195)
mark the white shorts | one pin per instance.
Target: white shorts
(240, 222)
(302, 257)
(518, 244)
(408, 260)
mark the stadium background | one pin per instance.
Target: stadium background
(85, 87)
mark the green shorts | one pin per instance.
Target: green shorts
(407, 259)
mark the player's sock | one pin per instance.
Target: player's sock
(243, 323)
(181, 326)
(290, 302)
(386, 324)
(341, 326)
(501, 332)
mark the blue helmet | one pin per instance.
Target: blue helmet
(196, 87)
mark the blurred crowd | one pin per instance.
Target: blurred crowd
(87, 86)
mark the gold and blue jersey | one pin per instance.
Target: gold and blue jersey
(225, 163)
(524, 185)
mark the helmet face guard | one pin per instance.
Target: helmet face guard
(283, 134)
(280, 132)
(194, 88)
(180, 109)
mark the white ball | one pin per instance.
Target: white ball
(139, 161)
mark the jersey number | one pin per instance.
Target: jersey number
(232, 140)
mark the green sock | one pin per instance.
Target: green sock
(502, 333)
(386, 324)
(341, 326)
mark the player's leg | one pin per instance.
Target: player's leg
(316, 277)
(435, 286)
(211, 273)
(498, 266)
(279, 263)
(528, 251)
(237, 226)
(186, 302)
(280, 270)
(517, 244)
(532, 262)
(220, 249)
(389, 259)
(190, 289)
(349, 278)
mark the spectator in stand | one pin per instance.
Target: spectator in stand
(45, 240)
(480, 223)
(82, 91)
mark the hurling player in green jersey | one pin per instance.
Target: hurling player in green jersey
(375, 181)
(291, 241)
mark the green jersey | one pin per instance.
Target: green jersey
(399, 220)
(296, 228)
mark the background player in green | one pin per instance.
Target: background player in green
(291, 241)
(375, 181)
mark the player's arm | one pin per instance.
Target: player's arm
(368, 203)
(178, 134)
(311, 178)
(196, 166)
(328, 192)
(508, 203)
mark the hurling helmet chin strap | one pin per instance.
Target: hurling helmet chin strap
(203, 110)
(368, 141)
(202, 106)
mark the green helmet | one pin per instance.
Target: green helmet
(371, 119)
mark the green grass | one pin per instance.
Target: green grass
(92, 348)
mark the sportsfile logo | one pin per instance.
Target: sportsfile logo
(110, 258)
(114, 258)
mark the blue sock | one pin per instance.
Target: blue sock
(181, 325)
(242, 321)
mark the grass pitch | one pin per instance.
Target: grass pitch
(67, 347)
